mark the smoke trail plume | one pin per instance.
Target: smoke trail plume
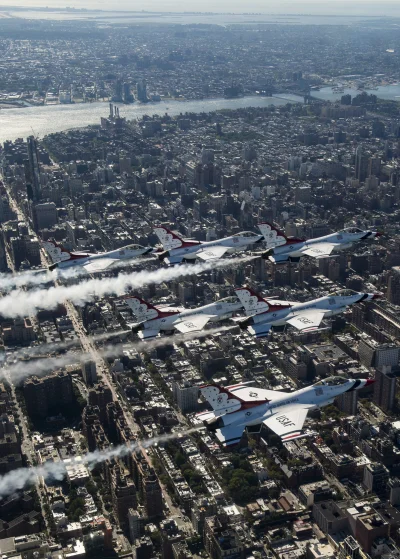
(22, 370)
(41, 277)
(56, 347)
(17, 480)
(21, 304)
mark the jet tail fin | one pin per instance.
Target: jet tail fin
(272, 236)
(58, 253)
(146, 311)
(255, 304)
(220, 399)
(168, 239)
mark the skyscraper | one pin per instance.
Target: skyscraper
(33, 178)
(393, 290)
(141, 89)
(384, 388)
(127, 94)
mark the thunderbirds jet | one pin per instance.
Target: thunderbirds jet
(176, 249)
(63, 258)
(153, 319)
(263, 314)
(240, 406)
(284, 249)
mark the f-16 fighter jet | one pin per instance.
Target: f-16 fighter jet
(177, 250)
(263, 314)
(240, 406)
(154, 320)
(92, 263)
(283, 249)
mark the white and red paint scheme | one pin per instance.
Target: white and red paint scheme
(239, 406)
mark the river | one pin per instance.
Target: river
(42, 120)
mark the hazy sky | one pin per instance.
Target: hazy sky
(359, 7)
(366, 7)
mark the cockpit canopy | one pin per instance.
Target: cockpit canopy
(132, 247)
(231, 299)
(343, 293)
(245, 234)
(332, 381)
(352, 230)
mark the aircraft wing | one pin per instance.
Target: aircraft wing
(193, 323)
(307, 320)
(254, 394)
(318, 250)
(288, 421)
(99, 265)
(212, 253)
(230, 435)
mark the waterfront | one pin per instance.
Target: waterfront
(388, 92)
(20, 123)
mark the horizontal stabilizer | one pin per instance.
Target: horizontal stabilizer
(147, 334)
(172, 260)
(259, 330)
(230, 435)
(279, 258)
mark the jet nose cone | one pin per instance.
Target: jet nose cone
(369, 381)
(379, 234)
(377, 295)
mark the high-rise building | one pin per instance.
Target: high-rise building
(361, 164)
(384, 388)
(45, 395)
(33, 178)
(376, 477)
(25, 248)
(45, 215)
(152, 495)
(143, 548)
(118, 91)
(127, 94)
(393, 290)
(141, 88)
(347, 402)
(89, 373)
(186, 396)
(349, 549)
(100, 395)
(123, 495)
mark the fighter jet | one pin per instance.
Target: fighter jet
(263, 314)
(177, 250)
(239, 406)
(63, 258)
(283, 249)
(154, 320)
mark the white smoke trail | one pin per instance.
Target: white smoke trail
(24, 369)
(17, 480)
(55, 347)
(21, 304)
(41, 277)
